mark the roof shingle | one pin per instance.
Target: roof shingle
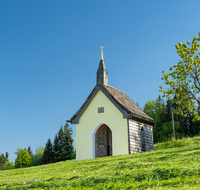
(126, 102)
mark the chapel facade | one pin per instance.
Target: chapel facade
(109, 123)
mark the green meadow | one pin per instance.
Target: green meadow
(173, 165)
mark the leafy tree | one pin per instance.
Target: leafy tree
(23, 158)
(3, 160)
(150, 108)
(68, 142)
(184, 79)
(156, 110)
(36, 158)
(167, 131)
(7, 155)
(8, 165)
(48, 153)
(29, 151)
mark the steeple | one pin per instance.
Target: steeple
(102, 74)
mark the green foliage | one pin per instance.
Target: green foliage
(8, 165)
(68, 142)
(168, 131)
(30, 151)
(3, 160)
(56, 149)
(157, 110)
(63, 144)
(7, 155)
(175, 168)
(36, 159)
(73, 156)
(60, 152)
(48, 153)
(23, 158)
(161, 112)
(184, 81)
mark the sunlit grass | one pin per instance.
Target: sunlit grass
(174, 168)
(171, 143)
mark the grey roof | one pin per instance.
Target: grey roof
(127, 107)
(126, 102)
(102, 66)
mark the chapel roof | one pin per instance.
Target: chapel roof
(123, 99)
(120, 99)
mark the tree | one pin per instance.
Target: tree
(156, 110)
(150, 108)
(168, 111)
(8, 166)
(61, 136)
(63, 144)
(7, 155)
(36, 158)
(167, 131)
(48, 153)
(3, 160)
(29, 151)
(23, 158)
(68, 142)
(184, 79)
(55, 149)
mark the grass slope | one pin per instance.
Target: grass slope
(174, 168)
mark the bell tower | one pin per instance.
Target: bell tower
(102, 74)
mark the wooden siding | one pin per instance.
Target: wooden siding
(137, 137)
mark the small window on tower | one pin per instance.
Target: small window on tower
(101, 138)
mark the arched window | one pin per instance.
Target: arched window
(143, 139)
(101, 138)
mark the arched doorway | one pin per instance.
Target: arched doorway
(103, 141)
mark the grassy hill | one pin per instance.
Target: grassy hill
(173, 168)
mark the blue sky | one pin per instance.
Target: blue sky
(50, 51)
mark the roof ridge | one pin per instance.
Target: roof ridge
(115, 88)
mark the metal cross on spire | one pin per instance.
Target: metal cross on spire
(101, 52)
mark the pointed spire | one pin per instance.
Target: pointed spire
(101, 52)
(102, 75)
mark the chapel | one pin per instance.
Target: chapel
(109, 123)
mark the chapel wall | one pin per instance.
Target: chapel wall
(135, 136)
(90, 119)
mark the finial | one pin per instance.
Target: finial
(101, 52)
